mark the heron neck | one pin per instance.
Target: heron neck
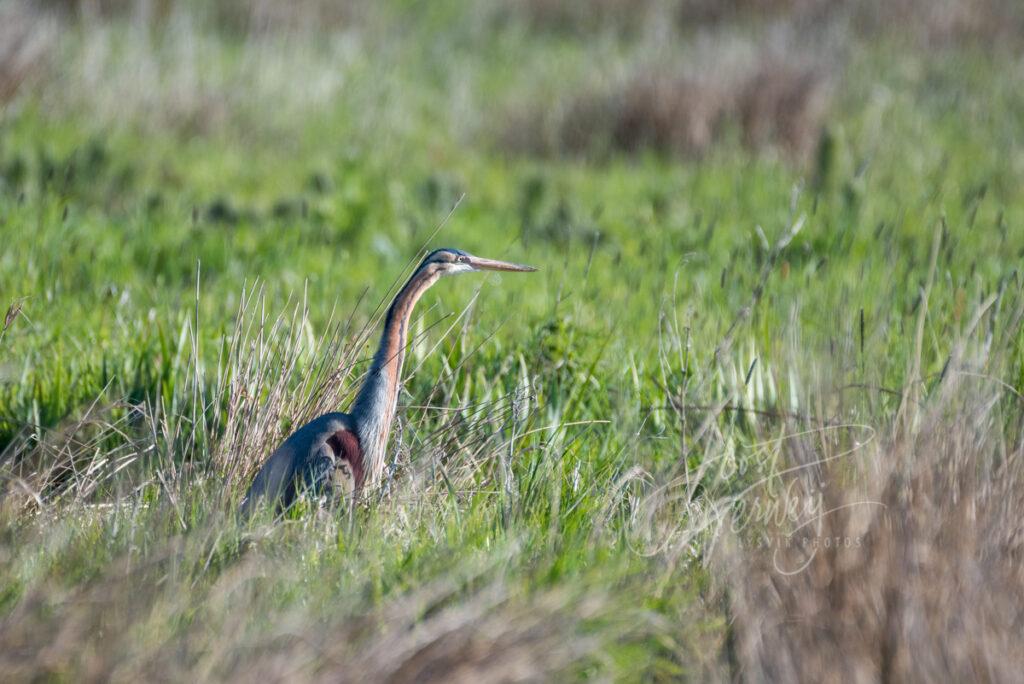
(375, 405)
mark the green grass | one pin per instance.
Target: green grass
(519, 524)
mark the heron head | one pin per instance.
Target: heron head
(450, 260)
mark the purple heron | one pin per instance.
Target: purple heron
(338, 454)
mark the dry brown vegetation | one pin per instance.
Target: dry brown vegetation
(927, 19)
(772, 106)
(581, 16)
(692, 13)
(910, 567)
(775, 93)
(778, 99)
(436, 634)
(922, 580)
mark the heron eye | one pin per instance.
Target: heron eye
(463, 259)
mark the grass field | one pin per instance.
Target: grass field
(758, 416)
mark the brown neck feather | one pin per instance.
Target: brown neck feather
(375, 405)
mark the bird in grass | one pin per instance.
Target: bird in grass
(338, 454)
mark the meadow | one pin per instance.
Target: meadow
(758, 415)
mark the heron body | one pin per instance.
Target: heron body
(338, 454)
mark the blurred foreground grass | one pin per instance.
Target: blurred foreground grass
(576, 447)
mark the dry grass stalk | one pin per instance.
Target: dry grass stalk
(72, 463)
(276, 377)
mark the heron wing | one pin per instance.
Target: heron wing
(275, 480)
(305, 460)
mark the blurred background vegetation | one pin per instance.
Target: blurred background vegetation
(754, 218)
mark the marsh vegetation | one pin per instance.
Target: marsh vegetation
(759, 415)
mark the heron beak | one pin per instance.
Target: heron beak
(482, 264)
